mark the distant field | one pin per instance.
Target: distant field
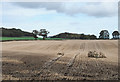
(25, 38)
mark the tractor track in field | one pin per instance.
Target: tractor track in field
(49, 64)
(72, 61)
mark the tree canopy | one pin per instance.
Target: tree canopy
(42, 32)
(115, 33)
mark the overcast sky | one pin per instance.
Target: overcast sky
(57, 17)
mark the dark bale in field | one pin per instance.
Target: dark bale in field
(60, 53)
(95, 54)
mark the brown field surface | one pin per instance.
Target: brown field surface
(39, 60)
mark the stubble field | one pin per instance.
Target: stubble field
(59, 60)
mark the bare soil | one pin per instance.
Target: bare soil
(42, 60)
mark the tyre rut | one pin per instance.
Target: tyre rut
(72, 61)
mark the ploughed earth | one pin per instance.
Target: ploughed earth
(59, 60)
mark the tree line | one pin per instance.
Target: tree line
(67, 35)
(13, 32)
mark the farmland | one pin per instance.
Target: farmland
(59, 60)
(24, 38)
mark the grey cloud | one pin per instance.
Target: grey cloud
(47, 5)
(98, 9)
